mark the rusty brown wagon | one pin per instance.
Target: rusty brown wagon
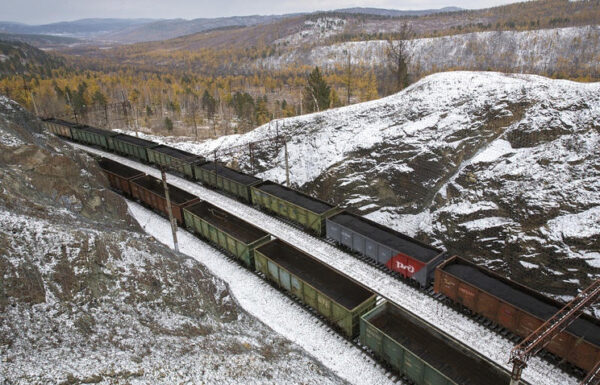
(518, 308)
(150, 191)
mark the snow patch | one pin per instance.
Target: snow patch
(580, 225)
(495, 150)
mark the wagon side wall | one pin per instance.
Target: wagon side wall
(379, 253)
(130, 149)
(172, 163)
(347, 321)
(312, 221)
(579, 353)
(242, 251)
(396, 355)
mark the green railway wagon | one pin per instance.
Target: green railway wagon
(298, 207)
(131, 146)
(93, 136)
(227, 231)
(226, 179)
(174, 159)
(60, 127)
(423, 354)
(340, 300)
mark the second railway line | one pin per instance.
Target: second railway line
(467, 331)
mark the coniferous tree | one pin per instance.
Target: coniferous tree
(317, 93)
(209, 104)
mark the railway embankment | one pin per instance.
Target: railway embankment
(86, 296)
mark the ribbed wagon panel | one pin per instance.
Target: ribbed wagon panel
(385, 246)
(425, 355)
(150, 191)
(338, 299)
(517, 308)
(300, 208)
(231, 233)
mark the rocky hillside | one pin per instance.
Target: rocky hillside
(502, 169)
(17, 57)
(570, 51)
(87, 297)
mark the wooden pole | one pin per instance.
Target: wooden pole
(251, 158)
(171, 217)
(287, 165)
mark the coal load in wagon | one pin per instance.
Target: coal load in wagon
(176, 153)
(446, 356)
(295, 197)
(387, 237)
(118, 168)
(543, 310)
(155, 185)
(232, 225)
(230, 173)
(328, 281)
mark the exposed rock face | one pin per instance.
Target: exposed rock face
(502, 169)
(87, 297)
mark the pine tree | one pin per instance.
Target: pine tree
(317, 93)
(209, 104)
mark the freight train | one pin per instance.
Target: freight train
(348, 306)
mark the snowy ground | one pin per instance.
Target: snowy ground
(271, 307)
(487, 343)
(535, 51)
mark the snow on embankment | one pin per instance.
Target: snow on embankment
(479, 162)
(87, 297)
(538, 51)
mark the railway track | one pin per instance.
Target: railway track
(466, 329)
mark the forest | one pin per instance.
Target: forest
(201, 86)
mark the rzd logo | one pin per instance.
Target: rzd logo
(402, 266)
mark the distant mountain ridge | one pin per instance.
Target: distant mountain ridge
(172, 28)
(395, 12)
(77, 28)
(143, 30)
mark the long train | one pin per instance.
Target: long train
(515, 307)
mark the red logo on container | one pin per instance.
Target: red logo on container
(404, 264)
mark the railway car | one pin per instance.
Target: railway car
(398, 252)
(293, 205)
(119, 175)
(340, 300)
(174, 159)
(93, 136)
(238, 237)
(226, 179)
(131, 146)
(149, 190)
(423, 354)
(60, 127)
(517, 308)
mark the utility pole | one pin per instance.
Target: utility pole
(251, 157)
(171, 217)
(215, 162)
(73, 108)
(287, 165)
(542, 336)
(285, 152)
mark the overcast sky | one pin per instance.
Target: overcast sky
(47, 11)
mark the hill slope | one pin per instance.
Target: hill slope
(169, 29)
(501, 169)
(570, 51)
(87, 297)
(21, 58)
(76, 28)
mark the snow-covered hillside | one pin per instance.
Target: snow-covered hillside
(504, 169)
(87, 297)
(538, 51)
